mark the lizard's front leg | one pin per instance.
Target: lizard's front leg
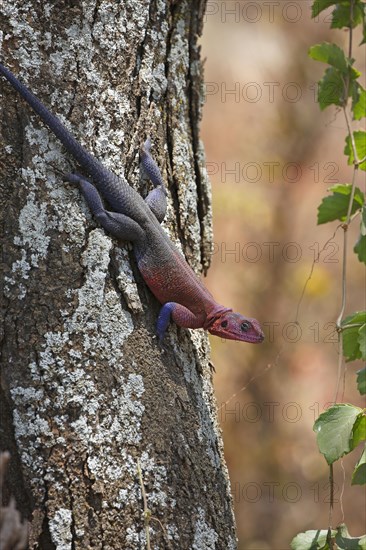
(156, 199)
(181, 316)
(120, 226)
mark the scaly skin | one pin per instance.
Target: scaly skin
(184, 297)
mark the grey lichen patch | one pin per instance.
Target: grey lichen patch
(33, 241)
(231, 543)
(99, 316)
(206, 221)
(28, 396)
(205, 537)
(31, 425)
(135, 538)
(126, 282)
(36, 225)
(70, 210)
(41, 138)
(22, 29)
(103, 326)
(36, 222)
(33, 224)
(179, 62)
(187, 191)
(108, 144)
(207, 433)
(118, 428)
(60, 529)
(156, 477)
(182, 152)
(155, 482)
(152, 77)
(72, 222)
(20, 268)
(109, 105)
(8, 149)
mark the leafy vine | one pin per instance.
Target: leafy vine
(342, 427)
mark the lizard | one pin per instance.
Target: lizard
(184, 298)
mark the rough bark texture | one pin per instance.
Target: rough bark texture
(86, 392)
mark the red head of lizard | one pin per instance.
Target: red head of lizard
(234, 326)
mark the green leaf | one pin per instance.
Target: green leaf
(362, 341)
(321, 5)
(345, 189)
(363, 220)
(311, 540)
(359, 431)
(353, 336)
(360, 143)
(317, 540)
(361, 381)
(331, 54)
(341, 16)
(330, 89)
(363, 41)
(360, 248)
(334, 430)
(359, 473)
(335, 206)
(344, 541)
(362, 5)
(358, 101)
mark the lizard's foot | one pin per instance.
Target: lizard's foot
(164, 319)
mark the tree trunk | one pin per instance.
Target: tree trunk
(89, 398)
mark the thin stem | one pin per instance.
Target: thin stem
(344, 279)
(331, 504)
(344, 262)
(147, 512)
(356, 162)
(342, 490)
(315, 261)
(350, 39)
(350, 30)
(353, 325)
(348, 219)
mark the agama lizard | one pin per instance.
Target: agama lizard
(184, 297)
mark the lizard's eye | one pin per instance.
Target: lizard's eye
(245, 326)
(224, 324)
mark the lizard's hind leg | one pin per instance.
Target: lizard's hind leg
(120, 226)
(156, 199)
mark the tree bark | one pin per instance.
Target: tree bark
(87, 394)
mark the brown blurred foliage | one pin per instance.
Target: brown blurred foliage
(13, 533)
(271, 155)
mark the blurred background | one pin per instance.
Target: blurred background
(272, 155)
